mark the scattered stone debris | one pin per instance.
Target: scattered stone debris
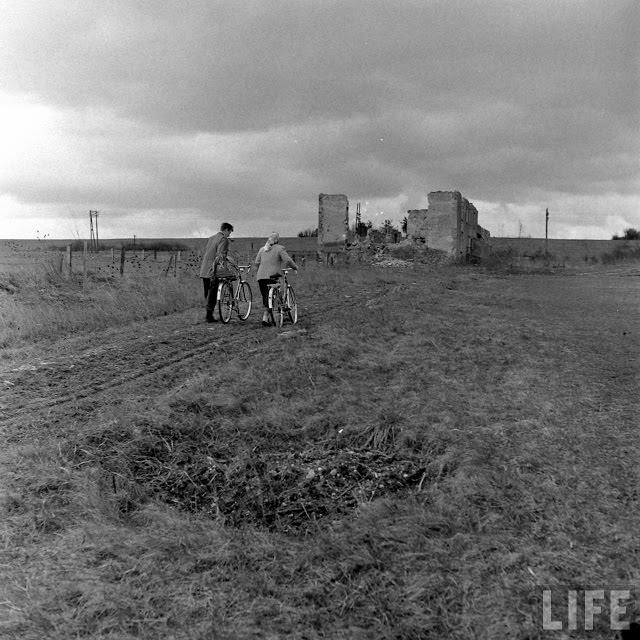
(401, 254)
(392, 262)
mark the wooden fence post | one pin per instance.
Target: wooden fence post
(122, 252)
(166, 271)
(69, 266)
(113, 255)
(175, 264)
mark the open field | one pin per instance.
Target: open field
(420, 457)
(15, 252)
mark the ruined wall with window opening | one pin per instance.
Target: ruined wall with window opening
(450, 224)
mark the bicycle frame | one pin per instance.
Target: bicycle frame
(282, 301)
(240, 292)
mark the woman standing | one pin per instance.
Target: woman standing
(270, 260)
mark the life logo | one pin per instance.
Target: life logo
(591, 609)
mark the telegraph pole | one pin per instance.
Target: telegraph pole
(93, 235)
(546, 234)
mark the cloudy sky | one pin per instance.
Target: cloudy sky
(170, 117)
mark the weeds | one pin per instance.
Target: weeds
(40, 302)
(283, 489)
(436, 448)
(621, 254)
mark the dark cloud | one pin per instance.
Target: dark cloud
(222, 66)
(258, 106)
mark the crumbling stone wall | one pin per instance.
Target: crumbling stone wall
(444, 221)
(468, 225)
(481, 244)
(333, 222)
(417, 220)
(452, 225)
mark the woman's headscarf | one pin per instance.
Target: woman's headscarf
(274, 238)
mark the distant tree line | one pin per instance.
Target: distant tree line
(308, 233)
(629, 234)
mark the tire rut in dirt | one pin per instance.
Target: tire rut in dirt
(115, 366)
(93, 378)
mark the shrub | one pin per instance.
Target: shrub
(620, 254)
(629, 234)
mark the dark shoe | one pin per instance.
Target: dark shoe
(211, 319)
(266, 323)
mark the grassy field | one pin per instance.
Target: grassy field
(104, 288)
(425, 453)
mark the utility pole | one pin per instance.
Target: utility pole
(93, 237)
(546, 234)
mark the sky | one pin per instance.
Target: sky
(171, 117)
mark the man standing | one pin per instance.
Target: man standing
(215, 254)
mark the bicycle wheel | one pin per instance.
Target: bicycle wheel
(274, 307)
(291, 305)
(244, 300)
(280, 311)
(225, 301)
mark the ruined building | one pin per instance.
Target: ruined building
(450, 224)
(333, 222)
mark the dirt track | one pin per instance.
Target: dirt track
(53, 389)
(75, 376)
(72, 377)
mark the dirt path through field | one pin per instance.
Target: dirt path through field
(46, 389)
(80, 374)
(68, 379)
(77, 375)
(50, 389)
(87, 371)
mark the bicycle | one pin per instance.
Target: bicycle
(282, 302)
(238, 298)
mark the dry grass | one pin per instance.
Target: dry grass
(497, 412)
(38, 301)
